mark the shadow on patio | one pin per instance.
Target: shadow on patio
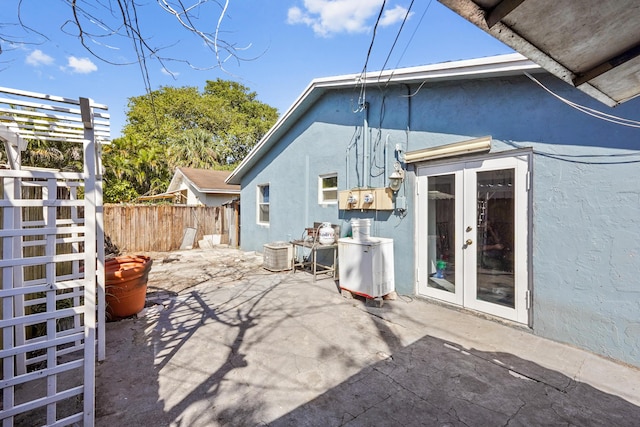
(277, 349)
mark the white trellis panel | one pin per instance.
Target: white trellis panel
(51, 271)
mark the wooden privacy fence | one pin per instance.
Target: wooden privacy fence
(161, 228)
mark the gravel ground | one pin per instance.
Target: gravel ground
(177, 271)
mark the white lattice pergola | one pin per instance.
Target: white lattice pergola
(51, 271)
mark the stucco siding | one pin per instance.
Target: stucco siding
(585, 255)
(197, 197)
(584, 230)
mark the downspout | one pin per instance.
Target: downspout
(347, 157)
(365, 157)
(386, 149)
(408, 116)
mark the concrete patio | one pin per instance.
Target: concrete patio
(225, 342)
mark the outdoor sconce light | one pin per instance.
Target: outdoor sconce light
(396, 177)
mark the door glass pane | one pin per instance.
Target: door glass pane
(441, 228)
(495, 237)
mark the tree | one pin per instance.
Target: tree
(134, 167)
(171, 127)
(66, 156)
(194, 148)
(246, 119)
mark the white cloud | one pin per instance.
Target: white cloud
(38, 57)
(81, 65)
(395, 15)
(166, 72)
(328, 17)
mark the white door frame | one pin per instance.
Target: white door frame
(464, 292)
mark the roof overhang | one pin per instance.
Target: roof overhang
(218, 191)
(495, 66)
(593, 45)
(472, 146)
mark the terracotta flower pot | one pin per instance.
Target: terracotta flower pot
(126, 285)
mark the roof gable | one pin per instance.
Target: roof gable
(204, 180)
(495, 66)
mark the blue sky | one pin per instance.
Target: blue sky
(284, 45)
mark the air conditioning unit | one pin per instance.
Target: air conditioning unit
(278, 256)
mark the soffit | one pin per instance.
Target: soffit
(591, 44)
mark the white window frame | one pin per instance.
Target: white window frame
(322, 190)
(260, 203)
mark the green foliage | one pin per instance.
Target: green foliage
(118, 191)
(167, 128)
(171, 127)
(134, 167)
(66, 156)
(194, 148)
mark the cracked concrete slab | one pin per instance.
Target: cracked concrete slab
(227, 343)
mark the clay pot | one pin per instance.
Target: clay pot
(126, 285)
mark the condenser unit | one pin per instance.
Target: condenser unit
(278, 256)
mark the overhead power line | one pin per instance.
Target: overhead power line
(589, 111)
(363, 73)
(406, 16)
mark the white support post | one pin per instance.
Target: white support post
(49, 196)
(90, 199)
(101, 290)
(8, 341)
(14, 144)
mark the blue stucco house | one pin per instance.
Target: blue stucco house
(513, 203)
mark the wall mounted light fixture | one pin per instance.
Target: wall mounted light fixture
(396, 177)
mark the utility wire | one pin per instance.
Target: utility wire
(363, 73)
(373, 37)
(568, 158)
(406, 16)
(589, 111)
(415, 30)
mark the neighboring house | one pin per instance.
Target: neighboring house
(513, 204)
(206, 187)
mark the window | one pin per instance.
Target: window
(263, 204)
(328, 188)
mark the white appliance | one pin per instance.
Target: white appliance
(366, 266)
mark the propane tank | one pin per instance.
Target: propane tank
(327, 235)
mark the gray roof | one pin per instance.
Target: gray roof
(204, 180)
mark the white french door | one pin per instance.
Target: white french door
(472, 235)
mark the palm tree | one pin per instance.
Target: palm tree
(194, 148)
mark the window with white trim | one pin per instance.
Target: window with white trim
(263, 204)
(328, 188)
